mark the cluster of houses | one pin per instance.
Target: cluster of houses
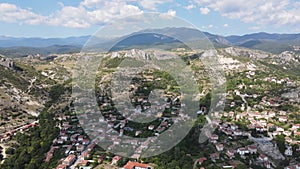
(130, 164)
(264, 122)
(263, 149)
(76, 145)
(7, 135)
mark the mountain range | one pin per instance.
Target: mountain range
(274, 43)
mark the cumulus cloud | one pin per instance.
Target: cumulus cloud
(191, 6)
(262, 12)
(225, 25)
(83, 16)
(12, 13)
(208, 26)
(204, 11)
(151, 4)
(168, 15)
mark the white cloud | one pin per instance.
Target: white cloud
(254, 28)
(262, 12)
(204, 11)
(225, 25)
(151, 4)
(191, 6)
(88, 13)
(168, 15)
(12, 13)
(208, 26)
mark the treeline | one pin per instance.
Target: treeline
(32, 147)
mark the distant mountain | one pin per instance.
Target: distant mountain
(164, 38)
(23, 51)
(291, 38)
(42, 42)
(274, 43)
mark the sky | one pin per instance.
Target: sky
(64, 18)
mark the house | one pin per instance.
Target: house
(151, 127)
(85, 167)
(61, 166)
(80, 148)
(295, 126)
(115, 160)
(234, 127)
(83, 163)
(230, 154)
(219, 147)
(282, 118)
(64, 137)
(85, 142)
(80, 138)
(91, 147)
(69, 160)
(288, 139)
(214, 156)
(201, 160)
(214, 138)
(267, 164)
(242, 151)
(231, 114)
(100, 160)
(263, 157)
(200, 112)
(297, 166)
(252, 149)
(288, 151)
(237, 133)
(68, 149)
(287, 133)
(136, 165)
(280, 129)
(282, 113)
(228, 132)
(85, 155)
(60, 141)
(259, 128)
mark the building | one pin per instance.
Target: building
(288, 151)
(136, 165)
(242, 151)
(219, 147)
(214, 138)
(263, 157)
(214, 156)
(61, 166)
(202, 160)
(230, 154)
(297, 166)
(252, 149)
(115, 160)
(69, 160)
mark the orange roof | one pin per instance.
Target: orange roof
(70, 158)
(61, 166)
(130, 165)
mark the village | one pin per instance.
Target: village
(259, 127)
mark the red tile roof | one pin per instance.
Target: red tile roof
(61, 166)
(131, 165)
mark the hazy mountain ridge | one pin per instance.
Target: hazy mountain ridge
(274, 43)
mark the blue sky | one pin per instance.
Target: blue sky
(50, 18)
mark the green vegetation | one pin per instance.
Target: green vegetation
(33, 146)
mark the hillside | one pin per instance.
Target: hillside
(274, 43)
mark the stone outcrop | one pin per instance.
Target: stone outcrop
(9, 63)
